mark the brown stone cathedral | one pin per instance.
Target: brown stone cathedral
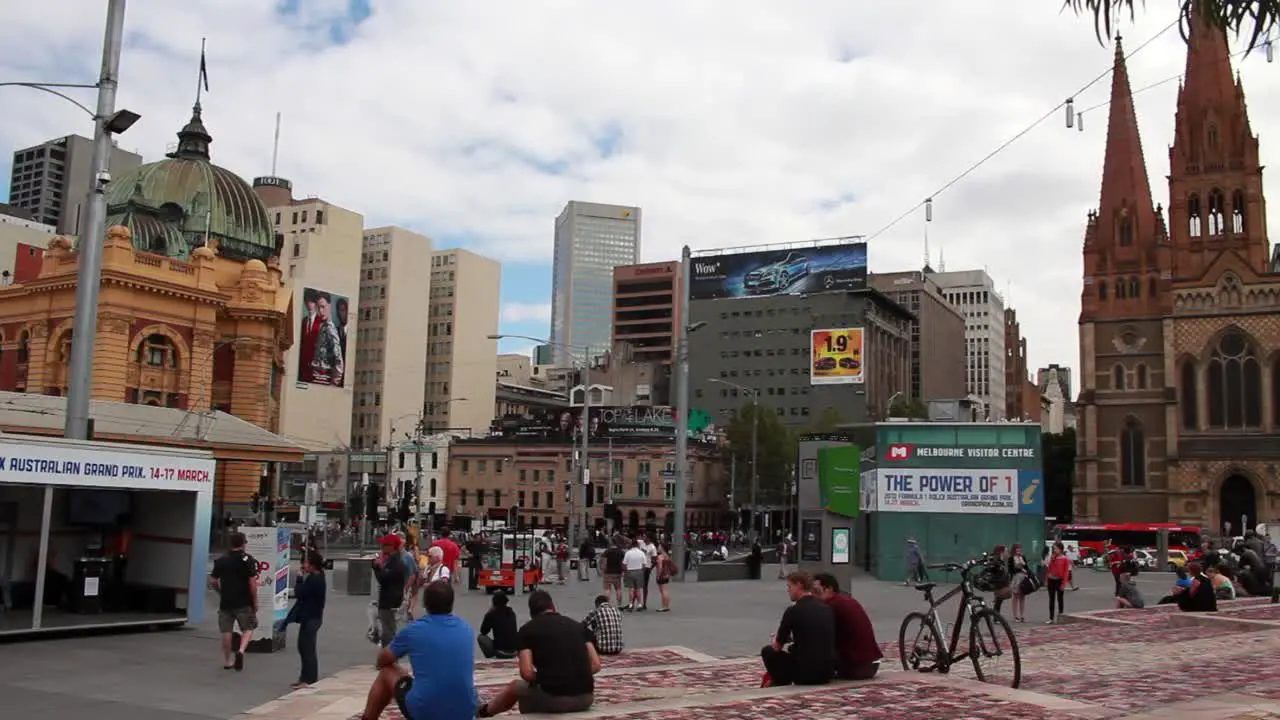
(1180, 323)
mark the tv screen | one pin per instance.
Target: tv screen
(97, 507)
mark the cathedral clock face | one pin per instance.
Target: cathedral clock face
(1129, 341)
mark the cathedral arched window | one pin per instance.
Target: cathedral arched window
(1133, 455)
(1121, 289)
(1126, 231)
(1142, 377)
(1135, 288)
(1193, 215)
(1102, 290)
(1237, 211)
(1233, 383)
(1217, 211)
(1117, 377)
(1187, 402)
(1212, 135)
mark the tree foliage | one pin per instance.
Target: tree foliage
(828, 421)
(1253, 17)
(1058, 455)
(776, 455)
(913, 409)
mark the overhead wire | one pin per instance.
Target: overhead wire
(928, 201)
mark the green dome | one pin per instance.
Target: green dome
(171, 206)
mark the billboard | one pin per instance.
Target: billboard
(970, 492)
(835, 357)
(839, 477)
(322, 338)
(332, 473)
(608, 421)
(779, 272)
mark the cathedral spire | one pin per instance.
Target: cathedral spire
(1207, 79)
(1125, 208)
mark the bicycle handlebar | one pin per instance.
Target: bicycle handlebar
(964, 567)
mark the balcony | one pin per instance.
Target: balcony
(1229, 447)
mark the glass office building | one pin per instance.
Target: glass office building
(591, 240)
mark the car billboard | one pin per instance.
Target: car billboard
(836, 357)
(779, 272)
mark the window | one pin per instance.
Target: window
(535, 498)
(1102, 290)
(497, 498)
(462, 497)
(1126, 231)
(1190, 413)
(1133, 456)
(157, 351)
(1117, 377)
(433, 487)
(642, 487)
(1142, 377)
(551, 500)
(24, 347)
(520, 498)
(1237, 211)
(1135, 288)
(1233, 384)
(1193, 215)
(479, 498)
(1216, 210)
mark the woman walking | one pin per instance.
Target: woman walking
(1022, 582)
(308, 614)
(1058, 575)
(666, 569)
(436, 569)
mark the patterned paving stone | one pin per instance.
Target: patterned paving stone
(1265, 612)
(628, 659)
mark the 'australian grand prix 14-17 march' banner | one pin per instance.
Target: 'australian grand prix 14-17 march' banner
(989, 492)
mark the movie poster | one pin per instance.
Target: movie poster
(322, 338)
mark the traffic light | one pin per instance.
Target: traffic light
(568, 491)
(403, 509)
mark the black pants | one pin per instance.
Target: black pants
(1056, 594)
(490, 650)
(781, 666)
(473, 575)
(308, 632)
(644, 602)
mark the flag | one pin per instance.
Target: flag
(204, 70)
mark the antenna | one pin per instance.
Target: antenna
(942, 259)
(275, 147)
(926, 244)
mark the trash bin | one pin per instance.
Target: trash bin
(90, 575)
(360, 575)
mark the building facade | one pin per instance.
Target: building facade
(51, 180)
(420, 470)
(636, 480)
(1016, 383)
(646, 310)
(193, 312)
(1180, 323)
(515, 368)
(322, 247)
(937, 334)
(391, 345)
(973, 293)
(591, 239)
(22, 243)
(765, 344)
(1054, 384)
(462, 356)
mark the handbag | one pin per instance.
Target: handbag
(1030, 583)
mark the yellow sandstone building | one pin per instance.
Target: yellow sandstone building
(193, 313)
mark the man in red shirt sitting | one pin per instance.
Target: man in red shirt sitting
(857, 652)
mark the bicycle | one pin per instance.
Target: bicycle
(985, 625)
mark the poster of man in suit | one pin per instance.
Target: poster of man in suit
(322, 340)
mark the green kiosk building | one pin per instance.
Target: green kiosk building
(957, 489)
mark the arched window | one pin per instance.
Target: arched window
(24, 347)
(1193, 215)
(1212, 136)
(1142, 377)
(157, 351)
(1190, 413)
(1237, 211)
(1233, 383)
(1135, 288)
(1102, 290)
(1133, 456)
(1217, 209)
(1152, 287)
(1121, 289)
(433, 487)
(1117, 377)
(1126, 231)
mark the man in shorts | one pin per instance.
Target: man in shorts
(558, 663)
(612, 561)
(235, 577)
(634, 563)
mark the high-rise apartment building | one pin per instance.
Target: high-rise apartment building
(1015, 371)
(391, 346)
(973, 293)
(591, 240)
(646, 310)
(937, 334)
(462, 359)
(322, 245)
(51, 180)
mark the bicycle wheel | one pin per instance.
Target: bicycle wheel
(991, 644)
(920, 645)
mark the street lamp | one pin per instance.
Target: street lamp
(682, 424)
(106, 122)
(584, 468)
(755, 445)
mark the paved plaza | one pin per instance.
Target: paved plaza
(699, 660)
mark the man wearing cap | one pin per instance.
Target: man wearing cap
(389, 570)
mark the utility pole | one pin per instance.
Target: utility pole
(755, 450)
(682, 418)
(583, 480)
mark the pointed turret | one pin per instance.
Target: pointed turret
(1126, 213)
(193, 138)
(1208, 79)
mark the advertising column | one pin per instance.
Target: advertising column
(270, 547)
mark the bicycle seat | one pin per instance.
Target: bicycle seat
(926, 587)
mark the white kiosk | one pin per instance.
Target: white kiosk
(97, 534)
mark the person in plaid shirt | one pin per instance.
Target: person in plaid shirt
(605, 624)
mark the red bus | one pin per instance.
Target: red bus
(1092, 539)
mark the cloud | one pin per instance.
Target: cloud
(476, 122)
(516, 312)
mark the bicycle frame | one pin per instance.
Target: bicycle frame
(970, 604)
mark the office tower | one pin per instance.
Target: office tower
(646, 310)
(51, 180)
(462, 360)
(937, 334)
(973, 293)
(591, 240)
(390, 372)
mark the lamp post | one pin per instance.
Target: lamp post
(584, 468)
(755, 447)
(106, 122)
(678, 528)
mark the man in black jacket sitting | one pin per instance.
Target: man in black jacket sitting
(501, 621)
(803, 651)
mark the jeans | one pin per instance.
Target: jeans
(1054, 587)
(308, 631)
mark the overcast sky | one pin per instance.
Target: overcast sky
(729, 123)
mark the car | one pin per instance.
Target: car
(1146, 559)
(776, 276)
(824, 363)
(1177, 559)
(848, 363)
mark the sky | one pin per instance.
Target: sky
(730, 125)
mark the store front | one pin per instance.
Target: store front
(100, 534)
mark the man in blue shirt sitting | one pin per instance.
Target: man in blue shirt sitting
(441, 653)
